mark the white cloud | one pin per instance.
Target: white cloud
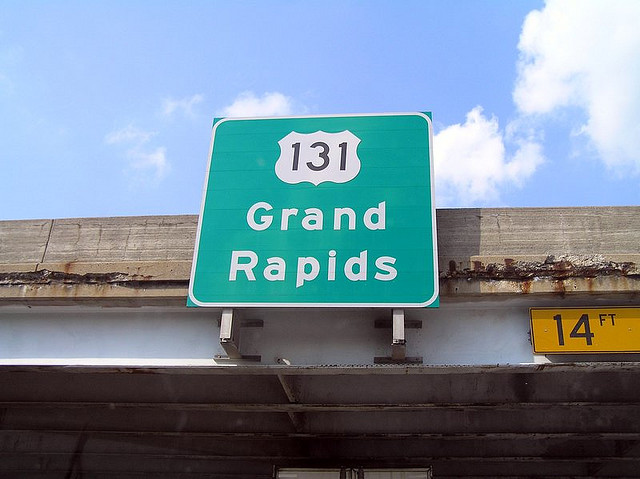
(472, 163)
(145, 164)
(151, 165)
(247, 104)
(128, 134)
(184, 105)
(587, 55)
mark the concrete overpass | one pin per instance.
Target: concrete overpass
(105, 373)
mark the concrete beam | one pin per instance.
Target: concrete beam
(481, 251)
(23, 242)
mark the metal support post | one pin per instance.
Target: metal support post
(230, 335)
(398, 324)
(399, 344)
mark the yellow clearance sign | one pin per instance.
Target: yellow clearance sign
(585, 330)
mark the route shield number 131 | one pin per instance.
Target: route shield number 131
(318, 157)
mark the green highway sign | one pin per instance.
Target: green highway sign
(318, 211)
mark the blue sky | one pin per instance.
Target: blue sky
(106, 107)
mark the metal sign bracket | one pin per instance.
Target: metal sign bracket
(398, 324)
(230, 328)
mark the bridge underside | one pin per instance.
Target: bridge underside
(551, 420)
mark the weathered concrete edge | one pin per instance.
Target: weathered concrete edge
(170, 270)
(475, 267)
(542, 266)
(156, 282)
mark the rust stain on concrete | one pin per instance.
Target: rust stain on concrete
(570, 266)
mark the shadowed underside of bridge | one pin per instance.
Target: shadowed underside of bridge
(538, 421)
